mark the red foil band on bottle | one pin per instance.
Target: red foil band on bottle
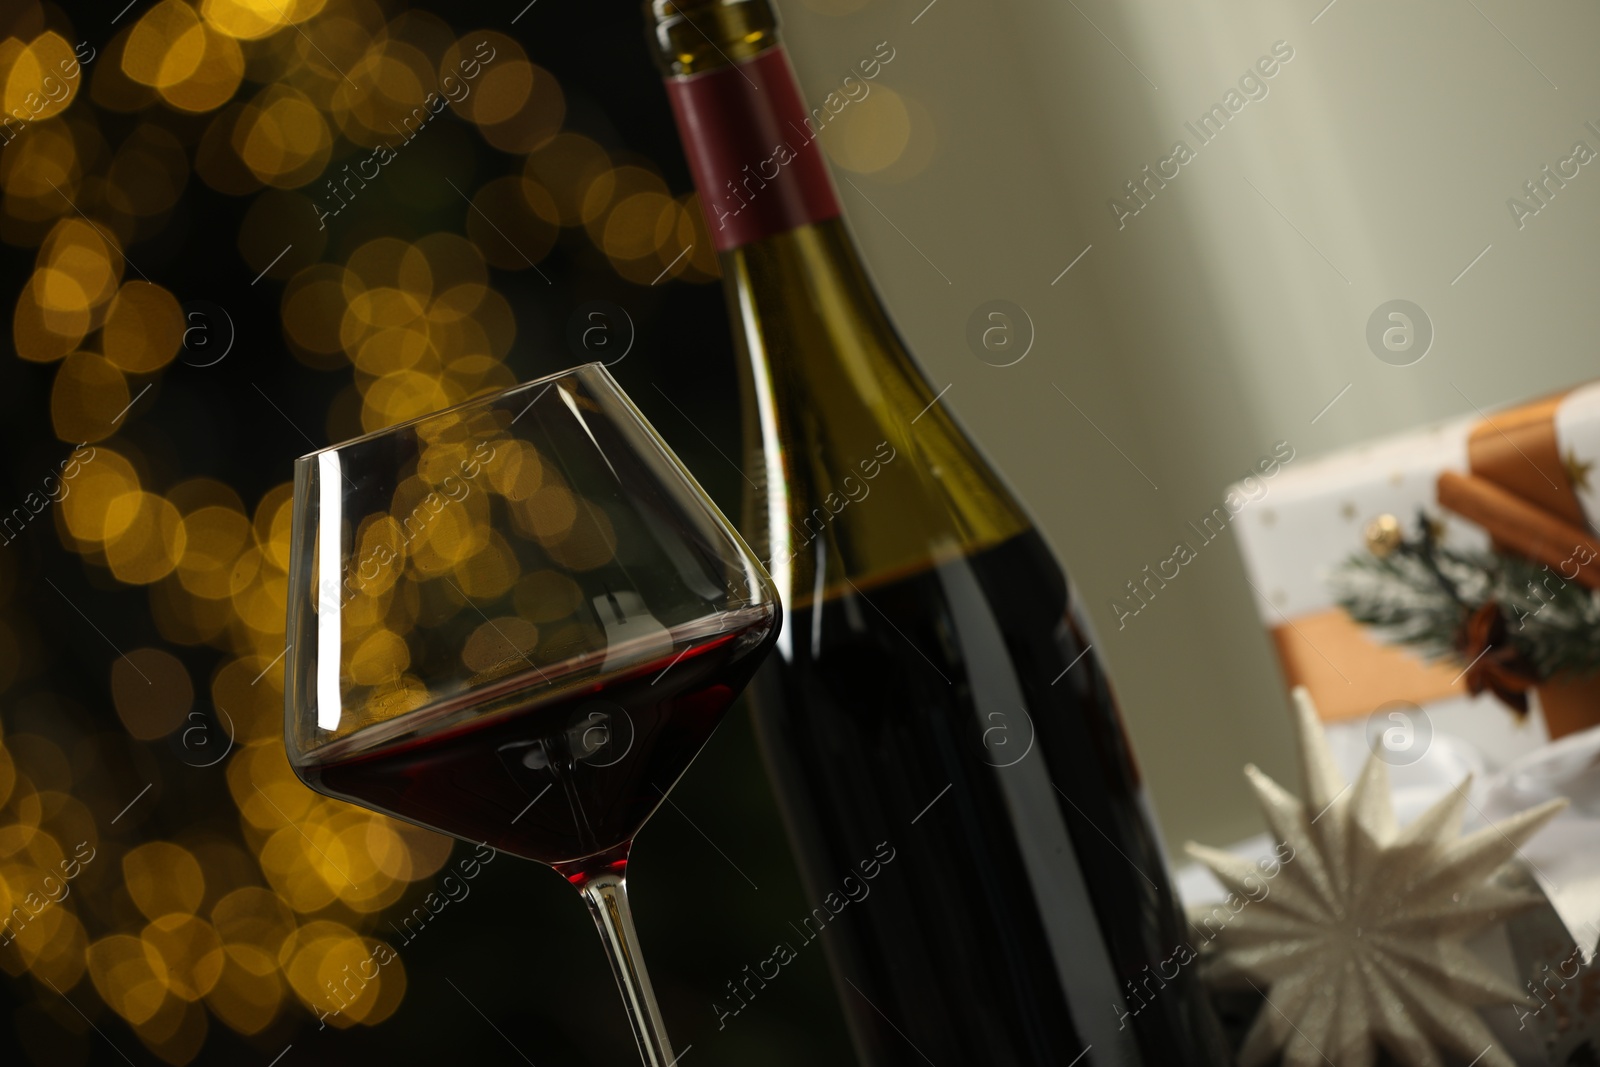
(754, 158)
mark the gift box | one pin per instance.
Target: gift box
(1522, 480)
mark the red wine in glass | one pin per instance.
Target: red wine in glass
(562, 765)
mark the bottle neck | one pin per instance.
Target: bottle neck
(752, 148)
(692, 36)
(837, 409)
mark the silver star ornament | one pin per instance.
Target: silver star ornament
(1356, 939)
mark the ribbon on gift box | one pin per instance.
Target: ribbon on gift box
(1523, 490)
(1350, 672)
(1528, 488)
(1527, 482)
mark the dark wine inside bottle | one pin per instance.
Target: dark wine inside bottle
(957, 714)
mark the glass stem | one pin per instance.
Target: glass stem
(607, 895)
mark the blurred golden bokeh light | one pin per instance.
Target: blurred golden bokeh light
(143, 328)
(151, 691)
(37, 83)
(253, 19)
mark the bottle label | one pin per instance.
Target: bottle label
(752, 149)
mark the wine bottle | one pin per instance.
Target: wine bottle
(932, 698)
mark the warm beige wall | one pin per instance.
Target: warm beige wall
(1226, 314)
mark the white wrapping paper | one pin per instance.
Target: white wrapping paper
(1564, 857)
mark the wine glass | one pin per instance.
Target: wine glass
(517, 621)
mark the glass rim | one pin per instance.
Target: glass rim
(472, 401)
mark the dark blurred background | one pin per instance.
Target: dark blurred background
(199, 291)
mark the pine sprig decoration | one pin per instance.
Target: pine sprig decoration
(1401, 596)
(1422, 595)
(1556, 624)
